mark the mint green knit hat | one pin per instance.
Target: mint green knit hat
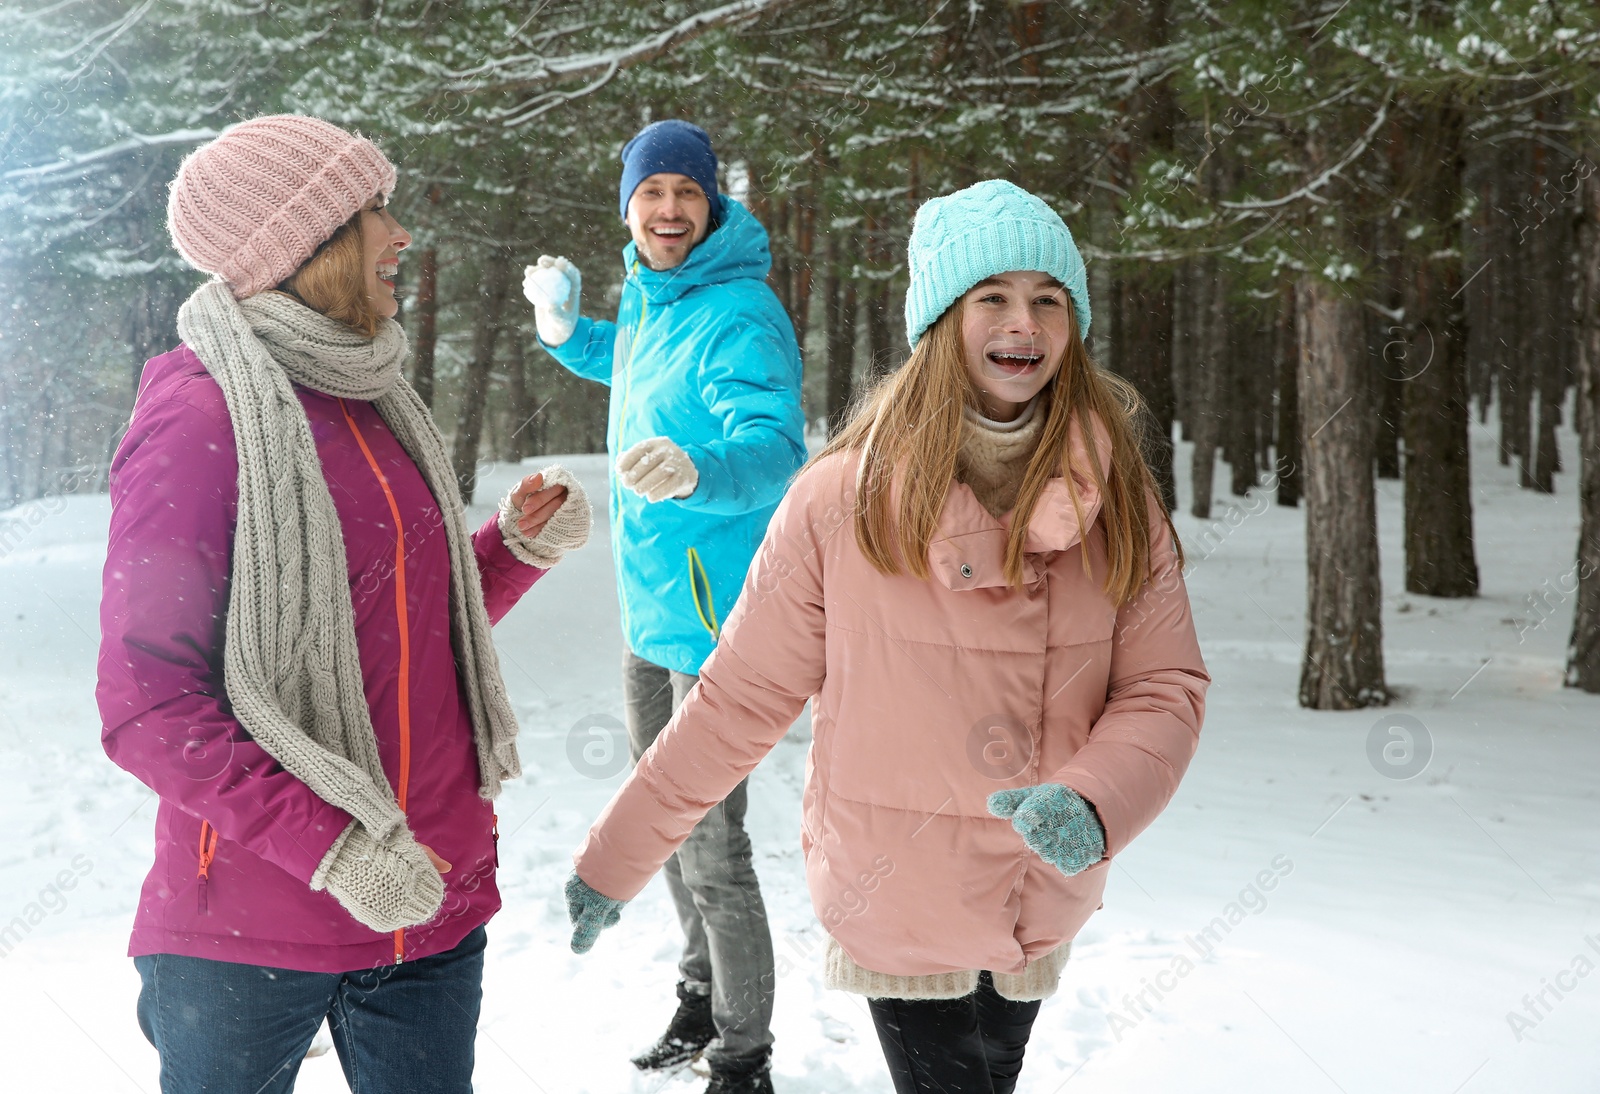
(989, 228)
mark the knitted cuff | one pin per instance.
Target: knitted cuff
(319, 880)
(567, 529)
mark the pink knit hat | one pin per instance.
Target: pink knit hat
(254, 204)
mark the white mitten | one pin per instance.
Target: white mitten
(566, 530)
(386, 885)
(552, 287)
(657, 469)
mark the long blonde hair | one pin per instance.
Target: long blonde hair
(333, 280)
(907, 430)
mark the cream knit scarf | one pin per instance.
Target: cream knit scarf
(290, 659)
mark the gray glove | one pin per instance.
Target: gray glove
(388, 885)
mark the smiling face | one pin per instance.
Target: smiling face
(668, 214)
(382, 240)
(1015, 328)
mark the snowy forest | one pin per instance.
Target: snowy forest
(1321, 235)
(1348, 252)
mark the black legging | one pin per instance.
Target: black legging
(972, 1045)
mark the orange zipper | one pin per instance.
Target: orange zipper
(402, 616)
(208, 852)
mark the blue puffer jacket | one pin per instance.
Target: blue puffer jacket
(704, 355)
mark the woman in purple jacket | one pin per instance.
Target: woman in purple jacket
(296, 653)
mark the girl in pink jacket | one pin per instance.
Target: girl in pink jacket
(978, 589)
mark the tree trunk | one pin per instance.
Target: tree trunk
(521, 402)
(1478, 296)
(10, 449)
(1552, 291)
(1517, 330)
(425, 327)
(781, 277)
(1286, 348)
(1142, 297)
(492, 290)
(1112, 351)
(1206, 382)
(1343, 666)
(1184, 343)
(805, 238)
(840, 292)
(1386, 351)
(1583, 651)
(152, 322)
(1144, 357)
(1440, 560)
(1388, 425)
(877, 301)
(1500, 280)
(1553, 313)
(1385, 323)
(1248, 354)
(1542, 413)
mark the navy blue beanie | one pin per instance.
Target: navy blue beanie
(673, 146)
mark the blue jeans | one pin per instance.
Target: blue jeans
(226, 1028)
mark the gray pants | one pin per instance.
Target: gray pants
(727, 949)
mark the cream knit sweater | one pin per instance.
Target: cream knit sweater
(994, 456)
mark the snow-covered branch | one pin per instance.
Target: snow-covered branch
(1309, 190)
(134, 143)
(524, 72)
(110, 33)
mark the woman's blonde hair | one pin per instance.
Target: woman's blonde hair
(333, 280)
(908, 427)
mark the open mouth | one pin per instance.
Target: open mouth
(669, 233)
(1015, 362)
(387, 272)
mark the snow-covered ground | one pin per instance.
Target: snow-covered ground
(1376, 933)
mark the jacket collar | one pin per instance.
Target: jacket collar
(969, 548)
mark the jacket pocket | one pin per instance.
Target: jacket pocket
(700, 588)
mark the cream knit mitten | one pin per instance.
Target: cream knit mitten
(657, 469)
(567, 529)
(388, 885)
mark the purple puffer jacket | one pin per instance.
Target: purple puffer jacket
(238, 837)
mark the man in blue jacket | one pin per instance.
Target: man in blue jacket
(705, 431)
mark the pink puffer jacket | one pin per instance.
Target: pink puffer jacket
(928, 696)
